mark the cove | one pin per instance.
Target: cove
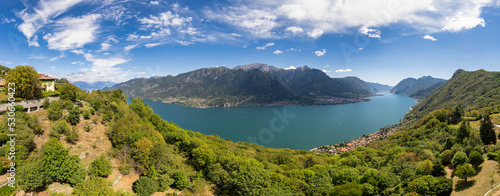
(294, 127)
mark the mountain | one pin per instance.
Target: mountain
(422, 94)
(93, 86)
(410, 86)
(472, 89)
(252, 84)
(377, 87)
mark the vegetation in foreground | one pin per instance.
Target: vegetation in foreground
(410, 162)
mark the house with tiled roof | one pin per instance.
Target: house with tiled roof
(48, 83)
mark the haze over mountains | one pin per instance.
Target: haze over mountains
(418, 88)
(253, 84)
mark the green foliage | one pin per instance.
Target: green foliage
(459, 159)
(55, 110)
(59, 165)
(425, 167)
(464, 171)
(31, 176)
(475, 158)
(487, 131)
(60, 127)
(463, 132)
(35, 125)
(74, 116)
(18, 108)
(26, 80)
(180, 180)
(86, 127)
(68, 92)
(100, 167)
(349, 189)
(86, 114)
(165, 181)
(94, 186)
(429, 185)
(72, 135)
(145, 186)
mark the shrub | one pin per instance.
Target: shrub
(54, 133)
(66, 104)
(86, 127)
(72, 136)
(491, 155)
(46, 103)
(180, 180)
(60, 127)
(74, 116)
(35, 124)
(92, 111)
(124, 169)
(100, 167)
(475, 158)
(55, 110)
(18, 108)
(86, 114)
(93, 186)
(145, 186)
(165, 181)
(459, 159)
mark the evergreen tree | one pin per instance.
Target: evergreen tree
(74, 116)
(463, 132)
(487, 132)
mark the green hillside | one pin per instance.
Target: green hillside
(416, 88)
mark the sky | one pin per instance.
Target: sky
(380, 41)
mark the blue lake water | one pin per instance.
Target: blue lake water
(294, 127)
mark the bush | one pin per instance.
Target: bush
(180, 180)
(86, 114)
(46, 103)
(145, 186)
(92, 111)
(72, 136)
(93, 186)
(446, 157)
(86, 127)
(165, 181)
(475, 158)
(100, 167)
(66, 104)
(491, 155)
(18, 108)
(74, 116)
(459, 159)
(60, 127)
(55, 110)
(124, 169)
(35, 124)
(54, 133)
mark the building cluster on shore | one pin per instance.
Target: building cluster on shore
(364, 140)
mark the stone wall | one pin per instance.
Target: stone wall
(30, 105)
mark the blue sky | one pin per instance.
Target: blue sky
(377, 40)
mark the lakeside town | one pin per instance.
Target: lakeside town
(364, 140)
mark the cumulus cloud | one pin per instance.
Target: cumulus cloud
(278, 52)
(373, 33)
(154, 2)
(102, 69)
(343, 70)
(290, 68)
(315, 33)
(294, 30)
(326, 71)
(265, 46)
(326, 66)
(429, 37)
(320, 52)
(73, 33)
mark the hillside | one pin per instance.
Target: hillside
(472, 89)
(253, 84)
(416, 88)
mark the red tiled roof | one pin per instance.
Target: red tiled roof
(45, 77)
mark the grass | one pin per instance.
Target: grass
(487, 178)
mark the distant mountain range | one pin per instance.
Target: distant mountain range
(418, 88)
(253, 84)
(92, 86)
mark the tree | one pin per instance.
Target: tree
(58, 164)
(100, 167)
(145, 186)
(459, 159)
(72, 135)
(475, 158)
(164, 181)
(31, 176)
(94, 186)
(349, 189)
(438, 169)
(487, 131)
(180, 180)
(35, 124)
(68, 92)
(27, 82)
(463, 132)
(74, 116)
(425, 167)
(464, 171)
(55, 110)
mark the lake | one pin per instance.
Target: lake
(294, 127)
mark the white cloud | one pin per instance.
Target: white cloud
(343, 70)
(7, 20)
(315, 33)
(361, 48)
(77, 63)
(73, 33)
(429, 37)
(265, 46)
(6, 62)
(184, 43)
(105, 46)
(326, 71)
(52, 67)
(290, 68)
(320, 52)
(271, 18)
(150, 45)
(37, 17)
(326, 66)
(37, 57)
(278, 52)
(102, 69)
(294, 30)
(154, 2)
(130, 47)
(164, 20)
(58, 57)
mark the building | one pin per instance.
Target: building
(48, 83)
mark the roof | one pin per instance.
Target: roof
(45, 77)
